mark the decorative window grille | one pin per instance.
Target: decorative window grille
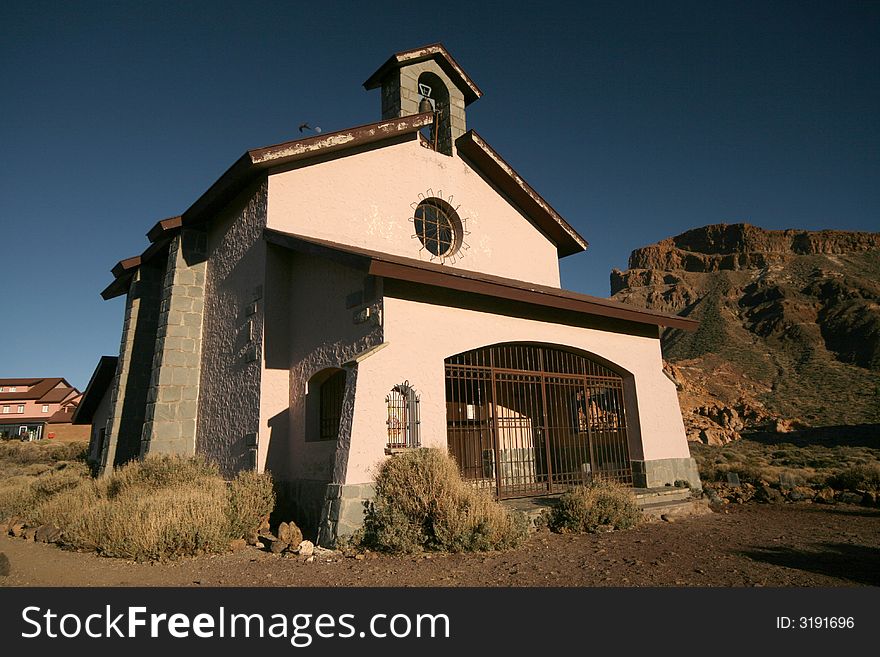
(332, 391)
(403, 417)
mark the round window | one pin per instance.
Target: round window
(438, 227)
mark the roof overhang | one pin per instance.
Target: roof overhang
(500, 173)
(439, 54)
(531, 294)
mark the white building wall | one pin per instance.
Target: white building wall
(420, 336)
(367, 200)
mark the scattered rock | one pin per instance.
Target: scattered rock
(29, 533)
(278, 546)
(667, 518)
(800, 494)
(284, 532)
(47, 534)
(296, 535)
(359, 557)
(306, 548)
(16, 529)
(768, 494)
(310, 559)
(237, 545)
(849, 497)
(825, 496)
(252, 538)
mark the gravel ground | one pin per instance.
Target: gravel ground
(749, 545)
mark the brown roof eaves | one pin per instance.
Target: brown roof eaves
(162, 228)
(18, 382)
(500, 173)
(38, 389)
(438, 53)
(416, 271)
(256, 161)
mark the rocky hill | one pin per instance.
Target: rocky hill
(790, 325)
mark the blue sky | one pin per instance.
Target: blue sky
(635, 120)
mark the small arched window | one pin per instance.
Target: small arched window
(324, 398)
(403, 418)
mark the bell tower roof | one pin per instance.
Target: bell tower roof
(437, 53)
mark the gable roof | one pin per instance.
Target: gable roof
(39, 389)
(499, 172)
(439, 54)
(257, 162)
(101, 379)
(432, 274)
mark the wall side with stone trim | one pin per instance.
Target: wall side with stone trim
(231, 359)
(170, 425)
(128, 399)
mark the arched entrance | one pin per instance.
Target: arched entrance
(530, 419)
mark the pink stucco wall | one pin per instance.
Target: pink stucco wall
(365, 200)
(419, 336)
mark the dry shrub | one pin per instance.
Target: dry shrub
(160, 508)
(422, 504)
(857, 477)
(601, 505)
(15, 451)
(251, 498)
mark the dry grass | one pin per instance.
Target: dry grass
(601, 506)
(161, 508)
(843, 467)
(422, 504)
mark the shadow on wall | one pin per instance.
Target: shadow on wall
(299, 500)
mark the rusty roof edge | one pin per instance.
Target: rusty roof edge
(472, 140)
(256, 160)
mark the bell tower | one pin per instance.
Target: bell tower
(427, 79)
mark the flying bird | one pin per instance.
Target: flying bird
(305, 126)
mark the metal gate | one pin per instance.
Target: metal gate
(532, 420)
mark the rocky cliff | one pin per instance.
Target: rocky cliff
(790, 325)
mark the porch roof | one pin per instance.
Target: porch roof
(426, 273)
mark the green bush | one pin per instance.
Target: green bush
(593, 508)
(423, 504)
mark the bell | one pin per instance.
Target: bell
(425, 106)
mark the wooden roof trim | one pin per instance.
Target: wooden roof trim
(568, 241)
(416, 271)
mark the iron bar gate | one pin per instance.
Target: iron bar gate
(531, 420)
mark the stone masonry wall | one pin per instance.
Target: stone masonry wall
(131, 384)
(400, 97)
(170, 424)
(232, 342)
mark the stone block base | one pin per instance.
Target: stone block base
(665, 472)
(343, 512)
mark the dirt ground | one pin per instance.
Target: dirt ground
(751, 545)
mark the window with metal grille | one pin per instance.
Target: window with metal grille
(332, 391)
(323, 404)
(438, 227)
(403, 417)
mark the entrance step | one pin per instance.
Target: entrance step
(654, 502)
